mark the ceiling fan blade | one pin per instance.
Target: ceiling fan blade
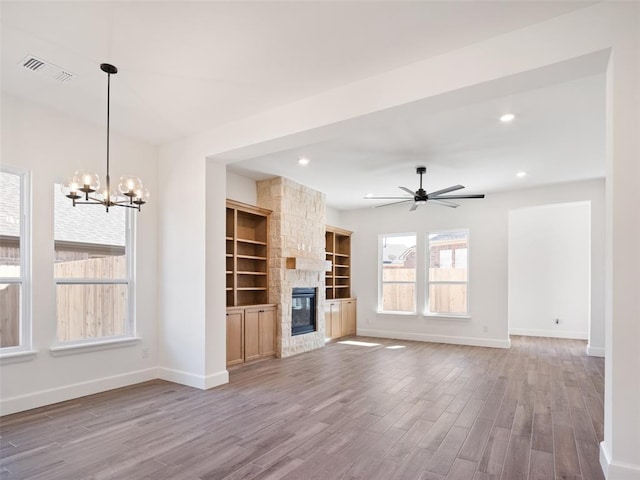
(388, 198)
(445, 190)
(410, 192)
(444, 203)
(413, 207)
(393, 203)
(454, 197)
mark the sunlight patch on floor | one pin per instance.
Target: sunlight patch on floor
(359, 344)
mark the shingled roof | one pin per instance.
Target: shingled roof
(83, 224)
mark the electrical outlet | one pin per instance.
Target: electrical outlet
(145, 352)
(485, 329)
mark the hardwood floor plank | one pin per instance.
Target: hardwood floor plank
(403, 447)
(566, 455)
(542, 436)
(475, 443)
(462, 470)
(448, 451)
(468, 416)
(588, 454)
(341, 412)
(516, 463)
(495, 452)
(541, 467)
(438, 431)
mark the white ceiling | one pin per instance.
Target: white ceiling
(189, 66)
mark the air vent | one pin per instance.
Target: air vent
(47, 69)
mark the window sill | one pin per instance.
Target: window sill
(63, 349)
(397, 314)
(17, 357)
(444, 316)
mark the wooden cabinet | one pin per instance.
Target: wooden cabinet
(251, 333)
(333, 328)
(340, 317)
(247, 234)
(338, 252)
(348, 316)
(235, 336)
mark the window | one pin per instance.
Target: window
(15, 321)
(93, 271)
(397, 265)
(448, 272)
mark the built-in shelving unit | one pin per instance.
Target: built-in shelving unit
(338, 252)
(247, 254)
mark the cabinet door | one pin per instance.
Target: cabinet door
(267, 332)
(349, 317)
(235, 337)
(336, 328)
(328, 321)
(251, 334)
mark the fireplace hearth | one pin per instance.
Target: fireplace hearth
(303, 311)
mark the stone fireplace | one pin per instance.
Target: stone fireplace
(296, 259)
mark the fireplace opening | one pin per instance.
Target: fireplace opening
(303, 311)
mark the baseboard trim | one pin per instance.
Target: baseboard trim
(549, 333)
(192, 379)
(595, 351)
(615, 470)
(423, 337)
(42, 398)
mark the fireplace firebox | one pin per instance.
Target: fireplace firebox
(303, 311)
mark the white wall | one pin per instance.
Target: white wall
(549, 270)
(487, 221)
(334, 217)
(52, 147)
(241, 189)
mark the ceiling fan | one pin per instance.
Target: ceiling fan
(421, 197)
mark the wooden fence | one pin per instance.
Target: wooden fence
(9, 309)
(82, 310)
(443, 298)
(93, 310)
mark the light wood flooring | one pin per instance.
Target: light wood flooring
(424, 411)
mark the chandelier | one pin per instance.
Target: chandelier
(130, 192)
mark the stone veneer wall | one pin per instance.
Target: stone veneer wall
(297, 230)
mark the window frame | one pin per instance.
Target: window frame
(25, 343)
(428, 282)
(130, 327)
(382, 283)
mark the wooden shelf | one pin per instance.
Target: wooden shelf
(247, 254)
(253, 242)
(251, 257)
(338, 251)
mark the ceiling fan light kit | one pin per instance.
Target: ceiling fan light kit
(421, 197)
(84, 183)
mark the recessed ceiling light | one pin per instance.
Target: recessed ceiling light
(521, 174)
(507, 117)
(303, 161)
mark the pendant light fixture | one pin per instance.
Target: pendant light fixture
(130, 192)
